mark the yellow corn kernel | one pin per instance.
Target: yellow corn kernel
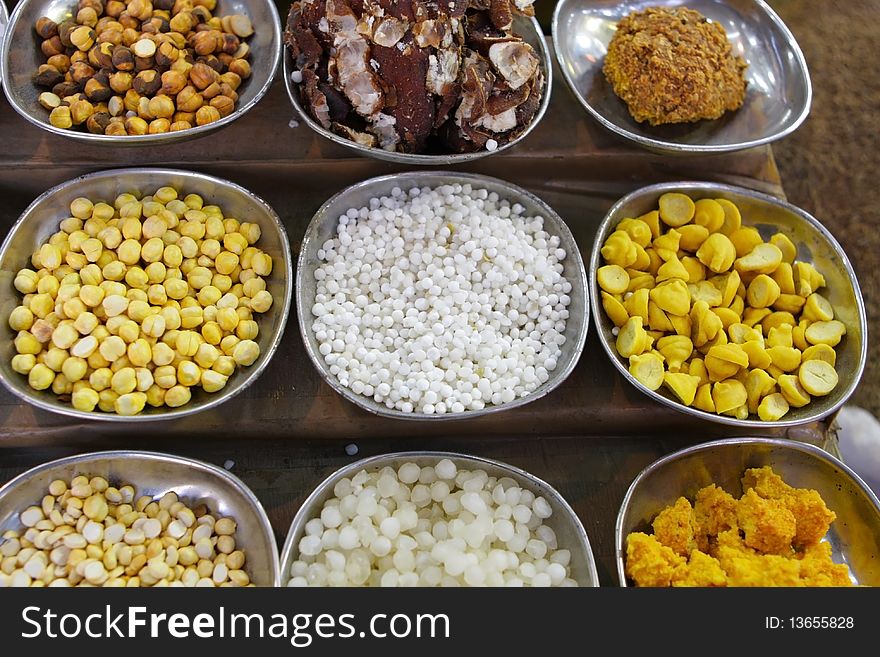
(246, 352)
(124, 381)
(40, 377)
(21, 319)
(207, 355)
(177, 396)
(785, 358)
(140, 353)
(709, 214)
(780, 336)
(165, 376)
(187, 343)
(676, 209)
(820, 352)
(26, 343)
(729, 396)
(112, 348)
(107, 401)
(816, 376)
(23, 363)
(247, 329)
(162, 354)
(130, 404)
(188, 373)
(176, 288)
(763, 292)
(224, 365)
(612, 278)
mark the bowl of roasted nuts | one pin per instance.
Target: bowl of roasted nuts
(728, 304)
(133, 519)
(403, 86)
(142, 294)
(138, 72)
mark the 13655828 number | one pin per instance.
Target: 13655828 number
(820, 622)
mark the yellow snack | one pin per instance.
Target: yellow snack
(613, 279)
(676, 349)
(709, 214)
(729, 396)
(763, 259)
(632, 339)
(652, 219)
(692, 237)
(684, 386)
(672, 269)
(638, 230)
(703, 399)
(818, 309)
(807, 279)
(829, 333)
(785, 358)
(647, 369)
(672, 297)
(681, 324)
(790, 303)
(706, 325)
(763, 292)
(706, 292)
(789, 250)
(667, 244)
(732, 216)
(657, 319)
(695, 269)
(676, 209)
(784, 277)
(758, 384)
(820, 352)
(613, 308)
(773, 407)
(725, 361)
(717, 253)
(697, 368)
(745, 239)
(817, 377)
(794, 392)
(619, 249)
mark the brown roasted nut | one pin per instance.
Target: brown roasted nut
(130, 36)
(61, 62)
(230, 44)
(143, 109)
(212, 91)
(223, 104)
(243, 52)
(135, 125)
(140, 9)
(87, 16)
(116, 128)
(80, 111)
(123, 58)
(202, 75)
(60, 117)
(83, 38)
(111, 36)
(240, 25)
(158, 126)
(101, 56)
(120, 82)
(205, 43)
(177, 126)
(206, 115)
(241, 67)
(52, 46)
(98, 122)
(147, 83)
(49, 100)
(144, 64)
(182, 22)
(64, 89)
(65, 29)
(229, 92)
(187, 117)
(189, 100)
(173, 83)
(156, 25)
(131, 100)
(45, 27)
(116, 106)
(144, 48)
(161, 107)
(97, 89)
(201, 15)
(48, 76)
(79, 56)
(80, 72)
(167, 54)
(114, 8)
(231, 79)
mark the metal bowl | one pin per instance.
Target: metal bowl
(155, 474)
(528, 28)
(41, 219)
(854, 536)
(21, 56)
(323, 227)
(4, 20)
(815, 244)
(570, 532)
(778, 95)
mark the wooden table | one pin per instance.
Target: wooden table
(589, 438)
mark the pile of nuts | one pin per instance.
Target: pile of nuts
(140, 67)
(729, 323)
(138, 302)
(89, 533)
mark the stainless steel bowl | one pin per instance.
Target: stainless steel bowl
(854, 535)
(570, 533)
(323, 227)
(778, 95)
(531, 32)
(41, 220)
(4, 20)
(815, 244)
(21, 56)
(155, 474)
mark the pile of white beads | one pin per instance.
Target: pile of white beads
(441, 300)
(430, 526)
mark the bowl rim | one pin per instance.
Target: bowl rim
(145, 455)
(421, 158)
(699, 186)
(780, 443)
(217, 398)
(135, 140)
(672, 147)
(303, 306)
(319, 491)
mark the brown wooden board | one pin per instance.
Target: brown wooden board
(589, 438)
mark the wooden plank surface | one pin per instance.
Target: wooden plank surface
(589, 438)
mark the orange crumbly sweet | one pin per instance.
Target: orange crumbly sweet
(771, 536)
(674, 66)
